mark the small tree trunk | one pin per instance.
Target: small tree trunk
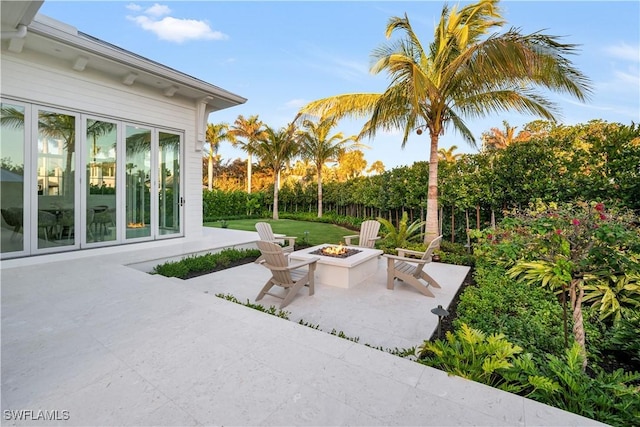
(577, 293)
(249, 161)
(275, 195)
(453, 224)
(477, 217)
(319, 171)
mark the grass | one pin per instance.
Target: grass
(318, 232)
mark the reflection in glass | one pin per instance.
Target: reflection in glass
(138, 173)
(12, 178)
(56, 179)
(101, 145)
(169, 183)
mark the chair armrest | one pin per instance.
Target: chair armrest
(402, 251)
(354, 236)
(303, 263)
(291, 266)
(411, 260)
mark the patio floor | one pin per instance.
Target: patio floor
(103, 343)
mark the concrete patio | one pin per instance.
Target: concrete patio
(102, 342)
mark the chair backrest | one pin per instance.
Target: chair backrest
(274, 257)
(9, 217)
(265, 232)
(368, 232)
(435, 243)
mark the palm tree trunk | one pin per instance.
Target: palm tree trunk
(275, 195)
(319, 169)
(249, 161)
(432, 193)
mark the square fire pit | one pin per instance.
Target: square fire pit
(344, 270)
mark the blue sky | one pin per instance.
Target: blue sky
(281, 55)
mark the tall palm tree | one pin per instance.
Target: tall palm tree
(465, 72)
(216, 133)
(319, 147)
(449, 155)
(277, 149)
(250, 131)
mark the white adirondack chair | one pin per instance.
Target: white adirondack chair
(290, 277)
(368, 235)
(411, 270)
(266, 234)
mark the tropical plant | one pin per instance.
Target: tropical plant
(404, 233)
(319, 147)
(215, 134)
(276, 150)
(573, 246)
(471, 354)
(458, 75)
(246, 133)
(497, 139)
(448, 155)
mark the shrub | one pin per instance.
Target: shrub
(529, 315)
(192, 265)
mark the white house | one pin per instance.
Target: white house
(99, 146)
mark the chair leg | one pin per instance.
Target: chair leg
(390, 273)
(430, 280)
(312, 270)
(419, 286)
(267, 286)
(293, 290)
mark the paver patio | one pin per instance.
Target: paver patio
(113, 345)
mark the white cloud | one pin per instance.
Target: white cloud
(624, 51)
(178, 30)
(158, 10)
(134, 7)
(296, 103)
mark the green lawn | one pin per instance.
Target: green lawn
(318, 232)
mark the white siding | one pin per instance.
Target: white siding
(46, 81)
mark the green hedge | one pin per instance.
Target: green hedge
(529, 316)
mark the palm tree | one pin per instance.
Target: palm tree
(459, 75)
(448, 155)
(319, 147)
(216, 133)
(276, 150)
(497, 139)
(376, 167)
(251, 131)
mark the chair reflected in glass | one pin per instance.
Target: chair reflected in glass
(47, 224)
(13, 218)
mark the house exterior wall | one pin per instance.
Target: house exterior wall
(48, 81)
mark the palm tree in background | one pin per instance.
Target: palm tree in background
(467, 71)
(246, 134)
(449, 155)
(319, 147)
(498, 139)
(277, 149)
(215, 134)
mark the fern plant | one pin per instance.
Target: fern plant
(471, 354)
(401, 236)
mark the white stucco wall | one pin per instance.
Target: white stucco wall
(48, 81)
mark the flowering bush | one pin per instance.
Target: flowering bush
(587, 249)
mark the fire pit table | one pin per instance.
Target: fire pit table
(340, 266)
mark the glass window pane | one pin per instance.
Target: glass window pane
(169, 184)
(56, 179)
(12, 178)
(101, 144)
(138, 173)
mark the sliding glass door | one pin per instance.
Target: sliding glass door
(12, 178)
(169, 197)
(69, 181)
